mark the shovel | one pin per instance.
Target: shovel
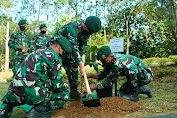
(90, 102)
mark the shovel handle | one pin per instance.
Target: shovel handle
(87, 84)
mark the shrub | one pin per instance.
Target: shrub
(166, 71)
(162, 61)
(149, 61)
(173, 58)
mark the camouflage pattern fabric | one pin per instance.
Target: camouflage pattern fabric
(19, 39)
(72, 31)
(38, 81)
(136, 71)
(40, 41)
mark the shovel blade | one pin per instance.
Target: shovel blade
(92, 103)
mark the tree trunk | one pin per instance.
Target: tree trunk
(47, 12)
(104, 22)
(127, 52)
(39, 11)
(7, 40)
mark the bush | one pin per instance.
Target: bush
(166, 71)
(173, 58)
(162, 61)
(149, 61)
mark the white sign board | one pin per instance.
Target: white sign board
(117, 45)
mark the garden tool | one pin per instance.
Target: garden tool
(81, 91)
(90, 102)
(116, 88)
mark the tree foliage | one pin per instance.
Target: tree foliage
(149, 28)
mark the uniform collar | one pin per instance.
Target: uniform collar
(40, 34)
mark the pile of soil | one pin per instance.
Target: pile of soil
(110, 107)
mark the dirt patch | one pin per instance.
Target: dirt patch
(110, 107)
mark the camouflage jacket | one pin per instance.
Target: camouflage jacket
(72, 31)
(39, 74)
(40, 41)
(130, 66)
(19, 39)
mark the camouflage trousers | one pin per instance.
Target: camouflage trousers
(143, 77)
(55, 100)
(16, 64)
(71, 71)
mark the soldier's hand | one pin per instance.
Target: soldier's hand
(21, 47)
(26, 50)
(84, 93)
(83, 70)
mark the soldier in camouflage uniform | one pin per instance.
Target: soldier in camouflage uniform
(20, 42)
(40, 40)
(138, 74)
(39, 82)
(77, 33)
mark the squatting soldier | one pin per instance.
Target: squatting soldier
(40, 40)
(138, 74)
(77, 33)
(39, 82)
(20, 42)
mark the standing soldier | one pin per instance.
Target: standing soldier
(40, 40)
(38, 82)
(20, 42)
(137, 72)
(77, 33)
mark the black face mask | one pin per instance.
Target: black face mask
(84, 32)
(63, 55)
(43, 32)
(107, 64)
(22, 28)
(104, 63)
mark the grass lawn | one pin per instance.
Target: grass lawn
(164, 100)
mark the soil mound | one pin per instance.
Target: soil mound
(110, 107)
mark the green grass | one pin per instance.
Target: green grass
(164, 100)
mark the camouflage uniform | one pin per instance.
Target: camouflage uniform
(72, 31)
(136, 71)
(38, 81)
(19, 39)
(40, 41)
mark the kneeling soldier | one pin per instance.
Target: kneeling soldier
(38, 82)
(138, 74)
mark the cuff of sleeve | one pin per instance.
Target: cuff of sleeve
(78, 60)
(100, 86)
(82, 53)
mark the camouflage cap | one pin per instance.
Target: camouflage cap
(93, 23)
(22, 22)
(103, 52)
(64, 43)
(42, 25)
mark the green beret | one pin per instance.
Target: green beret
(103, 52)
(42, 25)
(93, 23)
(22, 22)
(64, 43)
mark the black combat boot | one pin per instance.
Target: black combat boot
(74, 94)
(5, 110)
(131, 94)
(106, 92)
(39, 111)
(145, 90)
